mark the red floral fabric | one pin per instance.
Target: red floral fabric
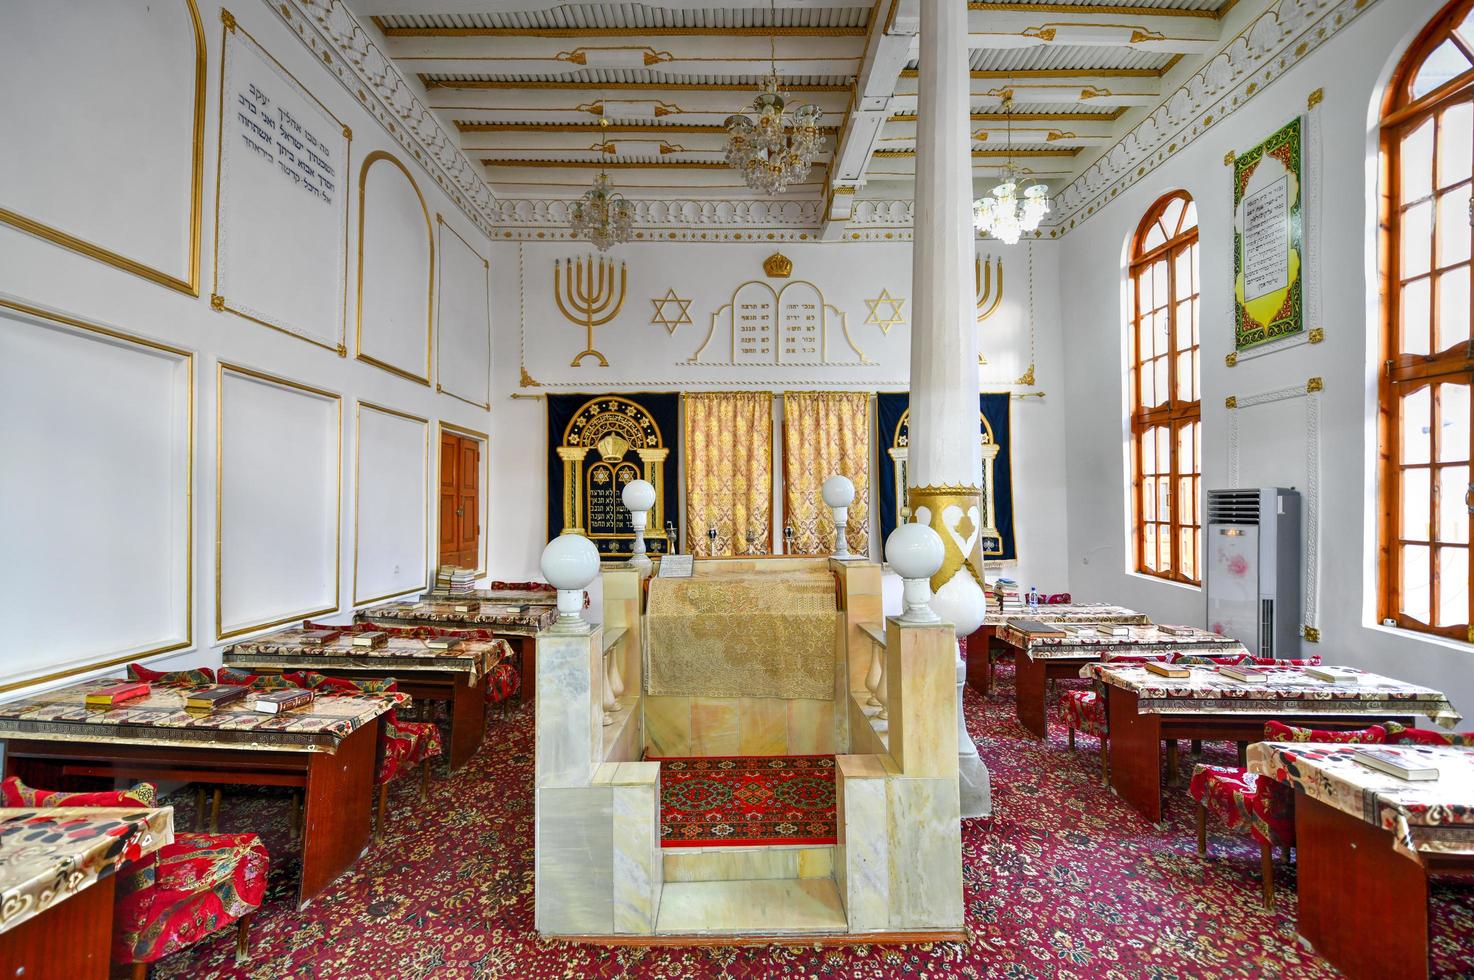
(1275, 731)
(259, 682)
(1246, 799)
(1057, 599)
(192, 888)
(1200, 660)
(503, 682)
(405, 744)
(1275, 662)
(13, 792)
(1084, 711)
(1400, 734)
(194, 677)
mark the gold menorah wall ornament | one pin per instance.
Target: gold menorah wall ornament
(587, 296)
(988, 298)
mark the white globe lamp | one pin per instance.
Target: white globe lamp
(915, 552)
(838, 493)
(570, 562)
(639, 497)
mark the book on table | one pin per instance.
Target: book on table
(470, 606)
(371, 641)
(1037, 630)
(443, 642)
(319, 637)
(1333, 675)
(215, 697)
(1179, 630)
(1114, 629)
(1401, 763)
(1167, 670)
(276, 702)
(115, 694)
(1245, 674)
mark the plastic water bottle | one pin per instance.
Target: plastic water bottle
(1033, 597)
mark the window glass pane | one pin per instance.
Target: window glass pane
(1416, 580)
(1190, 220)
(1413, 330)
(1187, 553)
(1416, 163)
(1164, 549)
(1453, 586)
(1193, 308)
(1144, 337)
(1148, 386)
(1453, 226)
(1415, 504)
(1149, 498)
(1453, 307)
(1185, 377)
(1154, 237)
(1197, 354)
(1185, 500)
(1148, 448)
(1184, 315)
(1161, 328)
(1182, 273)
(1444, 63)
(1453, 422)
(1453, 513)
(1417, 226)
(1164, 448)
(1160, 367)
(1164, 498)
(1149, 547)
(1171, 215)
(1455, 142)
(1416, 422)
(1159, 284)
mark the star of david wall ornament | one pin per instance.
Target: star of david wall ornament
(885, 311)
(671, 311)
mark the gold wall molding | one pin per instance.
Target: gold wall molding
(360, 354)
(483, 492)
(92, 330)
(443, 227)
(189, 282)
(222, 369)
(425, 484)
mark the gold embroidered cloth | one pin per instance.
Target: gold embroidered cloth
(746, 634)
(729, 472)
(50, 853)
(825, 433)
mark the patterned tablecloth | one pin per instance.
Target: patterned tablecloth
(159, 718)
(1434, 816)
(489, 616)
(1140, 641)
(1072, 612)
(48, 854)
(527, 597)
(286, 649)
(1287, 690)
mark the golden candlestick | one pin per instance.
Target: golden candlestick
(591, 297)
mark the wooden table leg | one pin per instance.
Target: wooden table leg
(1136, 755)
(339, 804)
(1028, 694)
(71, 940)
(467, 721)
(979, 643)
(527, 658)
(1363, 906)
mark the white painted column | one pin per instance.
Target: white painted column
(944, 468)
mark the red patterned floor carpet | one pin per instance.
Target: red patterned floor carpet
(1063, 881)
(747, 800)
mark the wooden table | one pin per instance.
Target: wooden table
(1143, 710)
(518, 628)
(56, 884)
(327, 750)
(458, 677)
(1366, 843)
(1041, 659)
(980, 642)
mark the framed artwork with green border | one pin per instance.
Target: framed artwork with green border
(1268, 239)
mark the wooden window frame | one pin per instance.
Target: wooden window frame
(1173, 413)
(1401, 374)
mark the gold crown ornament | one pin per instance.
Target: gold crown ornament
(777, 266)
(612, 448)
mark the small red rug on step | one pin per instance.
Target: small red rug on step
(746, 800)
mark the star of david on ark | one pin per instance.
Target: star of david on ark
(887, 320)
(671, 311)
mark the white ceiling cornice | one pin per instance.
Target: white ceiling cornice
(335, 36)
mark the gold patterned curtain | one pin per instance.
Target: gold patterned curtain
(825, 433)
(729, 471)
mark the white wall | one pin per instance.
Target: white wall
(1352, 68)
(531, 333)
(93, 454)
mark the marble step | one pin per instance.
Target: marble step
(774, 862)
(773, 907)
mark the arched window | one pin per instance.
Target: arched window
(1427, 367)
(1165, 405)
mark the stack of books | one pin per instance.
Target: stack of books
(455, 581)
(1005, 594)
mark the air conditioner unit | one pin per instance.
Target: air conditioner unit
(1253, 568)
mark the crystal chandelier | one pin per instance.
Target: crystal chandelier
(778, 148)
(602, 215)
(1002, 214)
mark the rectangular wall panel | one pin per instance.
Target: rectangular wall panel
(391, 504)
(278, 525)
(463, 330)
(95, 474)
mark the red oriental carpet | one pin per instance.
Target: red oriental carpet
(746, 800)
(1063, 881)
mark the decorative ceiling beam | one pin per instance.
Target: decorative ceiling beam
(662, 32)
(1099, 131)
(1005, 25)
(703, 55)
(534, 106)
(626, 140)
(1100, 88)
(367, 8)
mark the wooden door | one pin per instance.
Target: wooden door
(460, 512)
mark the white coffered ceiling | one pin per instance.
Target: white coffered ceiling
(542, 95)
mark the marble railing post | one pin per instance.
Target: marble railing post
(944, 468)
